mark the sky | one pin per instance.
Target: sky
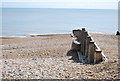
(86, 4)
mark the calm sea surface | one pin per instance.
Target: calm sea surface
(25, 21)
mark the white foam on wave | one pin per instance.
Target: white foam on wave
(103, 33)
(13, 36)
(35, 35)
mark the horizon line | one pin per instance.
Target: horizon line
(57, 8)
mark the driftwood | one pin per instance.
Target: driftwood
(88, 51)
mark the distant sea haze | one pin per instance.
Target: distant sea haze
(25, 21)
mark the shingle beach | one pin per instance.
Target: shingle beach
(50, 57)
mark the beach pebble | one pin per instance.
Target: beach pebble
(51, 61)
(34, 58)
(10, 51)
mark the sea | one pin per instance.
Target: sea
(22, 22)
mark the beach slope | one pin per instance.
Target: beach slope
(50, 56)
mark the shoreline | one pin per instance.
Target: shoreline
(47, 35)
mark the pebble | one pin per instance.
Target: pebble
(59, 73)
(15, 47)
(88, 72)
(10, 51)
(45, 70)
(34, 58)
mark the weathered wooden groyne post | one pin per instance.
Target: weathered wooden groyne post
(87, 49)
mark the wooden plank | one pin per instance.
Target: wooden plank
(76, 32)
(76, 45)
(84, 48)
(97, 56)
(82, 42)
(87, 45)
(81, 57)
(91, 52)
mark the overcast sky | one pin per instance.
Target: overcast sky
(89, 4)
